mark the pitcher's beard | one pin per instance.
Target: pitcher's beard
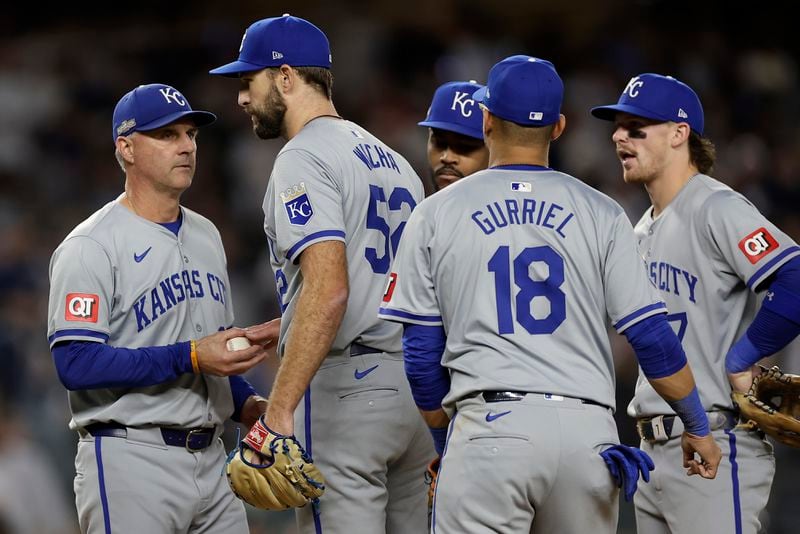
(268, 120)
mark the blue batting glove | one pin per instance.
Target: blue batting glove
(625, 464)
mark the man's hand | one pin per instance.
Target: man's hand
(265, 334)
(708, 450)
(742, 381)
(254, 407)
(214, 358)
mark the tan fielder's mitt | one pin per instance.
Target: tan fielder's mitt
(773, 404)
(272, 471)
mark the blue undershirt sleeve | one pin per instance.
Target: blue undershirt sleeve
(423, 347)
(91, 365)
(241, 390)
(657, 347)
(775, 325)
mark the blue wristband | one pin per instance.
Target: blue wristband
(439, 439)
(691, 412)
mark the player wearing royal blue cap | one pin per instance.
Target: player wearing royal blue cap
(714, 257)
(505, 330)
(334, 211)
(138, 295)
(455, 138)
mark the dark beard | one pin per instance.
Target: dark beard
(269, 119)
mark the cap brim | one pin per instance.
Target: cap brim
(609, 113)
(200, 118)
(232, 70)
(453, 127)
(480, 94)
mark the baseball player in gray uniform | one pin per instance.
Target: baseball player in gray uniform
(713, 257)
(139, 307)
(504, 282)
(335, 207)
(455, 136)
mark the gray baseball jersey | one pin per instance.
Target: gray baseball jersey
(123, 280)
(523, 269)
(523, 266)
(707, 253)
(336, 181)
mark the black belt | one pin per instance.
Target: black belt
(502, 396)
(660, 427)
(192, 439)
(357, 349)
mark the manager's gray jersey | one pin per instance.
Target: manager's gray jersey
(123, 280)
(523, 268)
(336, 181)
(707, 253)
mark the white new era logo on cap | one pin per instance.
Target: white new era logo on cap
(276, 55)
(682, 114)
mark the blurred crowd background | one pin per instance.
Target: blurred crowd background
(63, 68)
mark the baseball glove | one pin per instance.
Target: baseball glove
(431, 474)
(273, 472)
(773, 405)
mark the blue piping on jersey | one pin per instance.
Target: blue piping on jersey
(737, 504)
(520, 167)
(316, 235)
(102, 482)
(413, 316)
(77, 332)
(436, 491)
(307, 425)
(770, 264)
(624, 323)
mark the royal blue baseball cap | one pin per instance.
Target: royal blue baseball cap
(523, 89)
(453, 109)
(657, 97)
(277, 41)
(152, 106)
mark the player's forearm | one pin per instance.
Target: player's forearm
(435, 418)
(90, 365)
(664, 363)
(775, 325)
(675, 386)
(321, 305)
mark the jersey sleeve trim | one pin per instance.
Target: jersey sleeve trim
(324, 235)
(638, 315)
(77, 334)
(775, 262)
(405, 317)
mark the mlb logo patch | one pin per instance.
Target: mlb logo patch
(522, 187)
(298, 206)
(82, 307)
(757, 245)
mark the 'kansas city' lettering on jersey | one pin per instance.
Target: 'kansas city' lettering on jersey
(368, 154)
(673, 279)
(528, 211)
(298, 206)
(173, 290)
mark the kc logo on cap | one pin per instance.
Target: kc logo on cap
(152, 106)
(657, 97)
(453, 109)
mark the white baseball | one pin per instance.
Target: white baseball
(238, 343)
